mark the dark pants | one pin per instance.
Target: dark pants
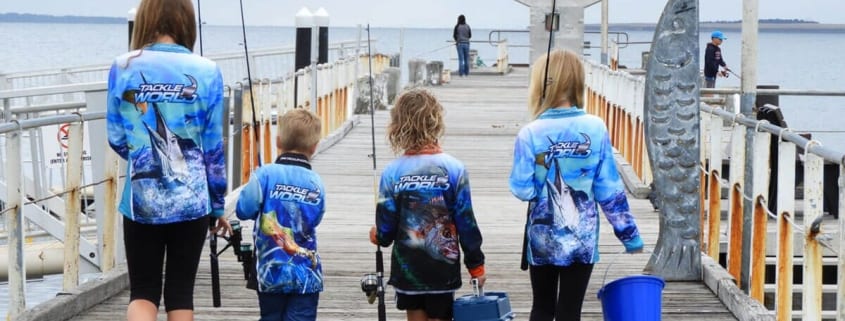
(146, 245)
(288, 307)
(463, 58)
(559, 291)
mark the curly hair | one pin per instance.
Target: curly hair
(416, 121)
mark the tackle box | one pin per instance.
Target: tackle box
(483, 306)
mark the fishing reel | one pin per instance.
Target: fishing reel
(369, 284)
(244, 254)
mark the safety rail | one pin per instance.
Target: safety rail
(617, 97)
(57, 212)
(741, 229)
(265, 63)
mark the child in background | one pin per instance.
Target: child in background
(287, 201)
(563, 166)
(425, 210)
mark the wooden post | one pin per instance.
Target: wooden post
(14, 225)
(714, 185)
(70, 278)
(785, 243)
(737, 178)
(761, 217)
(812, 295)
(110, 198)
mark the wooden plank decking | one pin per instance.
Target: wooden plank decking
(483, 116)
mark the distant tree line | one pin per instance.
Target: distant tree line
(26, 17)
(782, 21)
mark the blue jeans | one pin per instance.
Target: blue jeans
(288, 307)
(463, 58)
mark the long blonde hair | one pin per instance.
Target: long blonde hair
(565, 82)
(416, 121)
(174, 18)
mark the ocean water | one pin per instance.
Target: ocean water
(793, 60)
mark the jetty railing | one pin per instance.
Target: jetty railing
(270, 63)
(617, 97)
(33, 207)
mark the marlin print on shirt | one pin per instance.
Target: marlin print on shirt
(168, 155)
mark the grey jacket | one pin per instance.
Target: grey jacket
(462, 33)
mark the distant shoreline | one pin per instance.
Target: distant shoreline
(39, 18)
(724, 26)
(733, 26)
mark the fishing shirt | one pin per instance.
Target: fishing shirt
(425, 210)
(564, 167)
(165, 117)
(287, 198)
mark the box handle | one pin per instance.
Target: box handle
(476, 290)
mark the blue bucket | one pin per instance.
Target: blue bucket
(632, 298)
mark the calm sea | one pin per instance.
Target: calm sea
(794, 60)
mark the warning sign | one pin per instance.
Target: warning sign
(55, 151)
(62, 135)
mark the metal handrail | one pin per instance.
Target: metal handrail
(782, 92)
(764, 126)
(499, 32)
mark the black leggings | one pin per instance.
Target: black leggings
(146, 245)
(559, 291)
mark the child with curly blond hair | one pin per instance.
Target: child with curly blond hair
(425, 210)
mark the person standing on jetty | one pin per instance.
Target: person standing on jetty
(165, 117)
(713, 60)
(425, 212)
(563, 167)
(462, 35)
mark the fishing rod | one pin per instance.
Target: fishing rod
(733, 73)
(255, 124)
(523, 265)
(212, 242)
(373, 284)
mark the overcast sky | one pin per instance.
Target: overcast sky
(432, 13)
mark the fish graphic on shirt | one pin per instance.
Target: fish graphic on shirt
(561, 202)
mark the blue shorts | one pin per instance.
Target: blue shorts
(288, 307)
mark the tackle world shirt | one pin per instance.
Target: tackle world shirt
(287, 201)
(564, 166)
(164, 116)
(425, 211)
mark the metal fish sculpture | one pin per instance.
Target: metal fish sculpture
(672, 140)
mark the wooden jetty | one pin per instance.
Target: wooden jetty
(483, 116)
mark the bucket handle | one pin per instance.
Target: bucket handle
(607, 269)
(477, 290)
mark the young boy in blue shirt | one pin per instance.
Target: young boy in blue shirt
(287, 201)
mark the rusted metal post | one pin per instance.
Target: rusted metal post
(715, 187)
(14, 225)
(748, 99)
(737, 179)
(70, 278)
(672, 115)
(786, 239)
(760, 172)
(812, 294)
